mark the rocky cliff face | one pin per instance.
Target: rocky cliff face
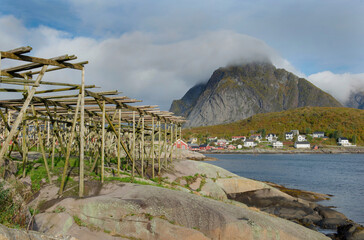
(237, 92)
(356, 100)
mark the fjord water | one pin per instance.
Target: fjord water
(341, 175)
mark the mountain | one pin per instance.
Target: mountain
(356, 100)
(237, 92)
(348, 122)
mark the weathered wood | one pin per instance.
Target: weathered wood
(103, 142)
(82, 134)
(42, 148)
(69, 145)
(40, 60)
(20, 116)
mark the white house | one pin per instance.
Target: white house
(343, 141)
(301, 138)
(249, 143)
(302, 145)
(289, 135)
(270, 137)
(277, 144)
(234, 138)
(318, 135)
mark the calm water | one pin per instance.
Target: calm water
(341, 175)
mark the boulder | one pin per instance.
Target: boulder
(18, 234)
(149, 212)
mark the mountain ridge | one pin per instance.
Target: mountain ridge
(237, 92)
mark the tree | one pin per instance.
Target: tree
(308, 130)
(354, 139)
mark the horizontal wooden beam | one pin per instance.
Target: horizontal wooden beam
(40, 60)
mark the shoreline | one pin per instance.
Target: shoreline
(338, 150)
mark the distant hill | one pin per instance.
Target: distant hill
(237, 92)
(347, 121)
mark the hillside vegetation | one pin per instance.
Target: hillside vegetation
(335, 122)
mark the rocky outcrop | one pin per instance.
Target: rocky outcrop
(237, 92)
(18, 234)
(129, 211)
(356, 100)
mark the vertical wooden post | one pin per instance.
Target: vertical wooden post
(142, 146)
(40, 140)
(176, 137)
(69, 145)
(180, 137)
(133, 146)
(171, 142)
(119, 139)
(82, 134)
(165, 143)
(24, 146)
(159, 146)
(103, 142)
(152, 149)
(20, 115)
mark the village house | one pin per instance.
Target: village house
(211, 139)
(277, 144)
(255, 137)
(318, 135)
(249, 143)
(302, 144)
(301, 138)
(289, 135)
(221, 142)
(234, 138)
(231, 147)
(180, 144)
(343, 141)
(271, 137)
(194, 147)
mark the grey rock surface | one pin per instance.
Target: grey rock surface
(237, 92)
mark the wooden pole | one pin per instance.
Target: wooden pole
(82, 134)
(152, 148)
(165, 143)
(159, 147)
(119, 139)
(133, 146)
(171, 149)
(20, 115)
(40, 140)
(142, 146)
(24, 146)
(69, 145)
(103, 142)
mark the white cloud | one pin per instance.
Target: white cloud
(338, 85)
(139, 65)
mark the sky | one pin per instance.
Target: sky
(156, 50)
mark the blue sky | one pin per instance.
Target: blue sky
(175, 44)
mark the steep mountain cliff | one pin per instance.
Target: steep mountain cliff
(237, 92)
(356, 100)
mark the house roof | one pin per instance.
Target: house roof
(304, 142)
(319, 133)
(343, 138)
(249, 140)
